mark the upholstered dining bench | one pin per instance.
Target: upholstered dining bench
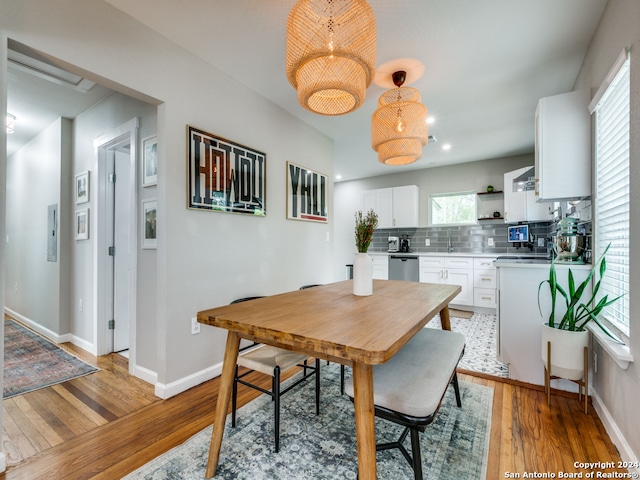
(409, 388)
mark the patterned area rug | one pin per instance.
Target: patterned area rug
(481, 343)
(32, 362)
(323, 447)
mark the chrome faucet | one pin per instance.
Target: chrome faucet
(449, 244)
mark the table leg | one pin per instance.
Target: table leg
(365, 429)
(445, 321)
(226, 386)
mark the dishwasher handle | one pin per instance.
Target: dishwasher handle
(404, 258)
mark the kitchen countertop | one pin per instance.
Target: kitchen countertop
(453, 254)
(537, 262)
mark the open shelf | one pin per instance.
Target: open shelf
(495, 192)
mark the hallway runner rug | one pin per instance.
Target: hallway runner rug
(32, 362)
(323, 447)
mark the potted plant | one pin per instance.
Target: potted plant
(568, 337)
(362, 265)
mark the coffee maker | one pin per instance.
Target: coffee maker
(405, 243)
(394, 244)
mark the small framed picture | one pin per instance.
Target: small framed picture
(82, 187)
(150, 161)
(149, 229)
(82, 224)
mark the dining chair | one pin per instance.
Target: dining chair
(272, 361)
(409, 388)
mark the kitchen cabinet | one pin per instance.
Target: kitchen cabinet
(563, 147)
(380, 266)
(397, 207)
(484, 283)
(522, 206)
(450, 270)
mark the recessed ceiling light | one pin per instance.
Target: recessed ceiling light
(338, 177)
(430, 120)
(446, 146)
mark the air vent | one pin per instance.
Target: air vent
(30, 61)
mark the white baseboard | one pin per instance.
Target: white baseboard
(616, 435)
(3, 462)
(166, 391)
(145, 374)
(53, 336)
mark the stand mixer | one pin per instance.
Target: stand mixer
(568, 244)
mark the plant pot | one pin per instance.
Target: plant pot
(567, 351)
(363, 275)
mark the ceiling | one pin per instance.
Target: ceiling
(486, 63)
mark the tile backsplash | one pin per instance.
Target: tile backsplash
(464, 239)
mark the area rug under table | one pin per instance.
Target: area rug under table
(32, 362)
(455, 446)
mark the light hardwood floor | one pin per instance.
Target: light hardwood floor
(107, 424)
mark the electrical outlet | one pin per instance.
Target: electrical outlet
(490, 241)
(427, 242)
(15, 288)
(541, 241)
(80, 305)
(195, 326)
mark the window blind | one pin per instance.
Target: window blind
(611, 202)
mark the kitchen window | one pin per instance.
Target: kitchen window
(453, 208)
(610, 109)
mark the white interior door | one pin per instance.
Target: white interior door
(121, 260)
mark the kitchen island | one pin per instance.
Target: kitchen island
(519, 319)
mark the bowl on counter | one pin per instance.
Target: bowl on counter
(569, 248)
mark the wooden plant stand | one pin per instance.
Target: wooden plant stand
(581, 383)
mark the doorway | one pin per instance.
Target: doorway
(116, 248)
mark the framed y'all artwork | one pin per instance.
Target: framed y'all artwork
(82, 188)
(150, 161)
(82, 224)
(149, 226)
(224, 176)
(306, 194)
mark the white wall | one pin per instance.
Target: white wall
(204, 259)
(455, 178)
(616, 391)
(36, 287)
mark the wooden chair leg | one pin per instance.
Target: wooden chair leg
(341, 379)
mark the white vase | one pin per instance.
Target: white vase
(567, 351)
(363, 275)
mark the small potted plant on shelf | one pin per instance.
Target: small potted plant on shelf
(363, 265)
(564, 341)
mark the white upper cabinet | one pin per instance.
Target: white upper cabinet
(522, 206)
(563, 147)
(397, 207)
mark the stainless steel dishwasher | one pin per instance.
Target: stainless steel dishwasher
(404, 267)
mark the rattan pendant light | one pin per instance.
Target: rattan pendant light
(399, 128)
(331, 54)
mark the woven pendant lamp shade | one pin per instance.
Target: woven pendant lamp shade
(399, 128)
(331, 54)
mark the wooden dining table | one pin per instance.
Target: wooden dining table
(331, 323)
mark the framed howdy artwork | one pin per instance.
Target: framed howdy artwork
(224, 176)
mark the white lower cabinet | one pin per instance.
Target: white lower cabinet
(476, 276)
(450, 270)
(380, 266)
(484, 283)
